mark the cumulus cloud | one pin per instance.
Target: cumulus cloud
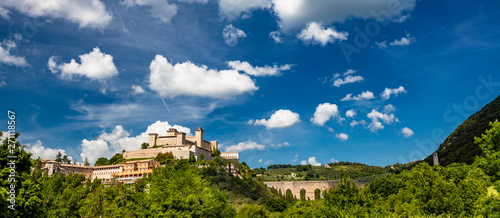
(232, 9)
(243, 146)
(231, 35)
(342, 136)
(404, 41)
(350, 113)
(276, 36)
(324, 112)
(119, 139)
(389, 108)
(311, 160)
(355, 123)
(376, 116)
(87, 13)
(296, 158)
(280, 119)
(188, 79)
(314, 33)
(366, 95)
(137, 89)
(258, 71)
(407, 132)
(386, 94)
(94, 65)
(38, 150)
(7, 58)
(159, 9)
(297, 13)
(348, 78)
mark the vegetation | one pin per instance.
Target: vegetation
(144, 145)
(459, 146)
(287, 172)
(206, 189)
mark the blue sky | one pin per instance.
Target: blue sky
(272, 79)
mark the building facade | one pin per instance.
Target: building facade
(127, 172)
(180, 145)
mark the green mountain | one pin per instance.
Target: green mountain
(459, 146)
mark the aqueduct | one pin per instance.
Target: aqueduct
(309, 186)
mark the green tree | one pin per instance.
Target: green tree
(490, 144)
(58, 157)
(144, 145)
(215, 152)
(101, 161)
(253, 211)
(163, 157)
(86, 162)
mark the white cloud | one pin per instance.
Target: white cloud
(389, 108)
(402, 18)
(232, 9)
(404, 41)
(348, 78)
(159, 9)
(342, 136)
(38, 150)
(314, 33)
(4, 13)
(382, 44)
(366, 95)
(137, 89)
(386, 94)
(284, 144)
(350, 113)
(324, 112)
(296, 13)
(3, 83)
(407, 132)
(94, 65)
(276, 36)
(311, 160)
(119, 139)
(296, 158)
(355, 123)
(280, 119)
(9, 59)
(260, 160)
(231, 35)
(375, 116)
(258, 71)
(333, 160)
(87, 13)
(242, 146)
(188, 79)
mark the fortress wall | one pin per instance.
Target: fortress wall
(142, 153)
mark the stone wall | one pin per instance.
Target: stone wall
(308, 186)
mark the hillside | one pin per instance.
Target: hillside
(459, 146)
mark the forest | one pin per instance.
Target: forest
(184, 188)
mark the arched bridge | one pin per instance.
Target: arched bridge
(310, 187)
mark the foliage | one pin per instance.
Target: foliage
(253, 211)
(164, 158)
(215, 153)
(144, 145)
(459, 146)
(490, 145)
(101, 161)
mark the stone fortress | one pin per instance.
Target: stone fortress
(181, 146)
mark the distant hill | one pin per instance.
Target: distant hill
(459, 146)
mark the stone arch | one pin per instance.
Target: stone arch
(289, 195)
(302, 194)
(317, 194)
